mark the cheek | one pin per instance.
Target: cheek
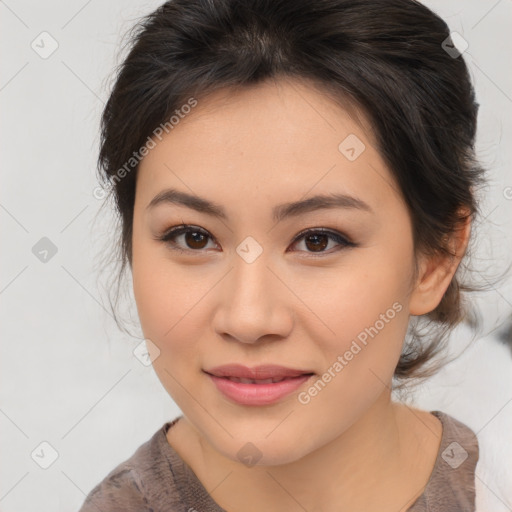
(158, 286)
(165, 307)
(363, 311)
(169, 319)
(170, 305)
(354, 295)
(151, 298)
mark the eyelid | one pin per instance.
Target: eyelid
(181, 229)
(342, 240)
(323, 230)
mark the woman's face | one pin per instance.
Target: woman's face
(245, 286)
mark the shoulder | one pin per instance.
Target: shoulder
(452, 483)
(139, 484)
(119, 490)
(459, 448)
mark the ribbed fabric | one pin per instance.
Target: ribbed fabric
(156, 479)
(451, 486)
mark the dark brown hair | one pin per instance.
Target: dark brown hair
(385, 57)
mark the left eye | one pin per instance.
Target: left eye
(196, 239)
(318, 240)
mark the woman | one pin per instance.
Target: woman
(296, 185)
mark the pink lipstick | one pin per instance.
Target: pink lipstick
(260, 385)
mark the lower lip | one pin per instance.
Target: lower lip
(258, 394)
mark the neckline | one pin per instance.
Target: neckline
(435, 474)
(194, 495)
(200, 496)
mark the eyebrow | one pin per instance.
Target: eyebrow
(279, 212)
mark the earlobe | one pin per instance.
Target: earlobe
(436, 272)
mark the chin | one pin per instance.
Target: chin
(263, 452)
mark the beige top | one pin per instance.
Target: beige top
(156, 479)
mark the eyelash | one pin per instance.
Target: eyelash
(169, 236)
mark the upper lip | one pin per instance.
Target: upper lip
(268, 371)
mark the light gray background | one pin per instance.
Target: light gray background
(68, 376)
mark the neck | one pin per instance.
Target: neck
(373, 465)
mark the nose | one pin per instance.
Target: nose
(254, 303)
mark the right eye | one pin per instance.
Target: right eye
(194, 238)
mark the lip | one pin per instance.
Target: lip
(256, 393)
(265, 371)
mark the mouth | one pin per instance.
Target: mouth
(262, 385)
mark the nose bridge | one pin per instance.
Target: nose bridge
(250, 284)
(252, 304)
(250, 280)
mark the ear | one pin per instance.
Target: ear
(436, 272)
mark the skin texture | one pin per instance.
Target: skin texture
(350, 447)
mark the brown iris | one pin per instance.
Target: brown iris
(196, 239)
(320, 242)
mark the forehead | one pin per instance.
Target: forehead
(279, 138)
